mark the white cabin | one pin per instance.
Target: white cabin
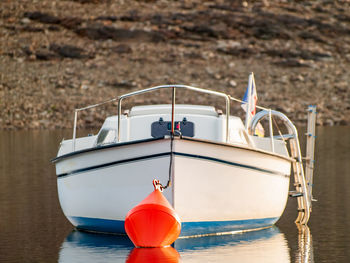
(206, 123)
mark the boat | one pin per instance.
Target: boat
(219, 173)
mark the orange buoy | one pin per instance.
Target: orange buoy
(154, 255)
(153, 222)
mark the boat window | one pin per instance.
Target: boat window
(106, 136)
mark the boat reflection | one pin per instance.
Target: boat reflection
(90, 247)
(269, 245)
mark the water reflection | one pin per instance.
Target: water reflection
(154, 255)
(90, 247)
(305, 252)
(269, 245)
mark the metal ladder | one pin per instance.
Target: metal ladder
(303, 182)
(310, 148)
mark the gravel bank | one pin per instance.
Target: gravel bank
(59, 55)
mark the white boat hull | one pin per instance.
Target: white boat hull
(215, 187)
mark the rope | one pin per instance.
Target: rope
(172, 134)
(171, 166)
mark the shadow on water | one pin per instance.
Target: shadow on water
(268, 244)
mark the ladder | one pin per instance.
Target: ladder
(310, 148)
(303, 182)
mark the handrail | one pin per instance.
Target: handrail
(215, 93)
(76, 117)
(120, 98)
(304, 202)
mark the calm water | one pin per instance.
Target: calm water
(33, 228)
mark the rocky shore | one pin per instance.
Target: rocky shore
(56, 56)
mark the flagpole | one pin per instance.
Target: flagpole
(247, 116)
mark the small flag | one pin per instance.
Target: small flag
(249, 101)
(253, 99)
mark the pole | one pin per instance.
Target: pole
(119, 116)
(74, 129)
(173, 112)
(271, 131)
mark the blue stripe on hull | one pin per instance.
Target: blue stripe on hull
(212, 227)
(98, 225)
(187, 228)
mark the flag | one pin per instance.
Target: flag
(253, 98)
(249, 101)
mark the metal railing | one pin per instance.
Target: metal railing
(228, 98)
(174, 87)
(76, 111)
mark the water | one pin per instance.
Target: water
(33, 228)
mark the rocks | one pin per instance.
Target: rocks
(42, 17)
(90, 1)
(55, 51)
(68, 54)
(235, 48)
(68, 51)
(122, 48)
(303, 54)
(233, 83)
(101, 32)
(121, 84)
(44, 55)
(294, 63)
(203, 30)
(71, 22)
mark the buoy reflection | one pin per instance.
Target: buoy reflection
(162, 254)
